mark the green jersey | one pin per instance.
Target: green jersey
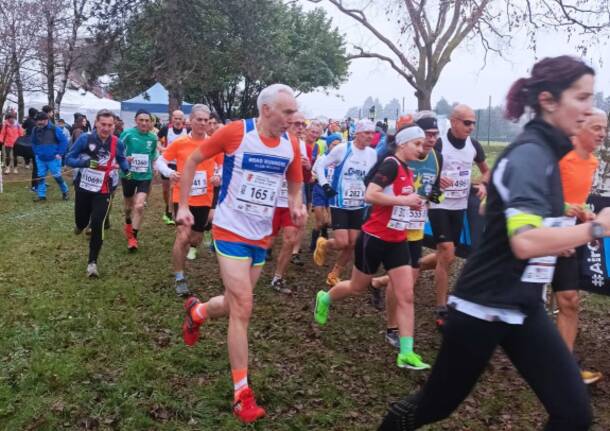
(142, 148)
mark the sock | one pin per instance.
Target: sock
(167, 210)
(199, 312)
(325, 299)
(240, 381)
(315, 233)
(276, 277)
(390, 330)
(324, 232)
(127, 220)
(406, 345)
(135, 233)
(179, 275)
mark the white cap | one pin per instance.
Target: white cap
(408, 134)
(365, 125)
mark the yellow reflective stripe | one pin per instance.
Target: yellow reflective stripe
(517, 221)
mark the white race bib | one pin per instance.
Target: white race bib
(200, 184)
(400, 218)
(541, 269)
(460, 183)
(139, 163)
(258, 193)
(282, 200)
(353, 193)
(91, 180)
(417, 218)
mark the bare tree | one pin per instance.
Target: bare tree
(432, 30)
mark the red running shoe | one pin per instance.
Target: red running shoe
(190, 328)
(245, 408)
(132, 244)
(128, 230)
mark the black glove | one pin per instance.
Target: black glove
(329, 191)
(436, 195)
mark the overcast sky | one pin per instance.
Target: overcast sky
(464, 79)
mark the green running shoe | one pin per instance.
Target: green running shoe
(320, 313)
(168, 220)
(411, 361)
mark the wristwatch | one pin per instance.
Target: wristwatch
(597, 230)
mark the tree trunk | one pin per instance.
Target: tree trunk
(50, 48)
(175, 99)
(20, 99)
(424, 98)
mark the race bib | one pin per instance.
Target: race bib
(541, 269)
(258, 193)
(460, 185)
(353, 193)
(139, 163)
(417, 219)
(400, 218)
(200, 184)
(91, 180)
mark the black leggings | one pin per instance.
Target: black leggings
(536, 350)
(91, 209)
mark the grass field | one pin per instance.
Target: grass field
(79, 354)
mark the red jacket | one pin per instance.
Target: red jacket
(10, 133)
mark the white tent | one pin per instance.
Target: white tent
(74, 101)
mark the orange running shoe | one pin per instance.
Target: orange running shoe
(245, 408)
(190, 328)
(128, 230)
(132, 244)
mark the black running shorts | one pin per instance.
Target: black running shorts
(370, 252)
(446, 224)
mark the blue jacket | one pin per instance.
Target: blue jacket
(48, 142)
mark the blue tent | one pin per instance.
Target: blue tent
(155, 100)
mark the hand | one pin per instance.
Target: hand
(299, 215)
(58, 156)
(412, 200)
(93, 164)
(129, 159)
(329, 192)
(174, 177)
(215, 180)
(481, 191)
(184, 216)
(446, 182)
(306, 163)
(567, 253)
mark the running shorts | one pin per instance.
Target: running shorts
(281, 218)
(171, 166)
(446, 224)
(319, 198)
(370, 252)
(307, 193)
(415, 248)
(131, 187)
(346, 219)
(241, 251)
(200, 214)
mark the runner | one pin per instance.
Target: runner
(346, 193)
(459, 151)
(9, 133)
(308, 142)
(497, 300)
(282, 220)
(259, 154)
(141, 149)
(167, 135)
(49, 145)
(426, 172)
(392, 194)
(577, 169)
(320, 202)
(201, 191)
(97, 155)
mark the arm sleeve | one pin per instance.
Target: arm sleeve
(161, 166)
(439, 158)
(386, 173)
(480, 156)
(226, 140)
(294, 173)
(120, 156)
(73, 159)
(335, 156)
(522, 182)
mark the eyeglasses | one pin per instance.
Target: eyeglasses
(298, 124)
(431, 134)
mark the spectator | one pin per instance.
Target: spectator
(11, 130)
